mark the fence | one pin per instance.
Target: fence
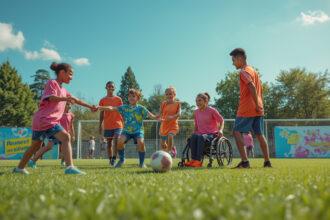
(87, 128)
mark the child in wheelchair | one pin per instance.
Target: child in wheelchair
(208, 126)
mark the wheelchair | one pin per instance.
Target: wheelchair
(219, 149)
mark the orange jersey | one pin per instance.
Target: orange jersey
(171, 126)
(112, 119)
(247, 106)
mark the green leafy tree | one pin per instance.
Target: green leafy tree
(128, 81)
(154, 101)
(187, 110)
(17, 102)
(40, 79)
(302, 94)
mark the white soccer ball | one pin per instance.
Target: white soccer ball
(161, 161)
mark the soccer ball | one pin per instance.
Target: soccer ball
(161, 161)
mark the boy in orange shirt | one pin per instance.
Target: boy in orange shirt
(250, 110)
(112, 121)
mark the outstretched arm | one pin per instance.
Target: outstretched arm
(77, 101)
(107, 108)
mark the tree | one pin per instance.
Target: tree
(40, 79)
(128, 81)
(302, 94)
(228, 90)
(154, 101)
(187, 111)
(17, 102)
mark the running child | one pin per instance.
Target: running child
(67, 123)
(111, 120)
(133, 115)
(170, 111)
(208, 125)
(250, 110)
(46, 121)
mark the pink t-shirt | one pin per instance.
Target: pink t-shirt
(50, 113)
(66, 121)
(207, 121)
(248, 140)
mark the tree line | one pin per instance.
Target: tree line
(296, 93)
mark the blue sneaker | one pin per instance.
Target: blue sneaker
(20, 171)
(119, 163)
(74, 170)
(32, 164)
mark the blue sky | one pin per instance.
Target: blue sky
(168, 42)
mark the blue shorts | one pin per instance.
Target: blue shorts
(245, 125)
(135, 136)
(164, 138)
(40, 135)
(113, 133)
(54, 140)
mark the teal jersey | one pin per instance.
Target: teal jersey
(133, 117)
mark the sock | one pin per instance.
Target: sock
(121, 154)
(141, 157)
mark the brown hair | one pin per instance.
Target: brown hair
(205, 96)
(135, 92)
(57, 67)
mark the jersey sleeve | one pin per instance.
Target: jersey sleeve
(245, 77)
(51, 89)
(216, 115)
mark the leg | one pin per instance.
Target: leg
(121, 150)
(258, 130)
(200, 147)
(193, 146)
(110, 152)
(240, 145)
(36, 144)
(65, 139)
(264, 146)
(42, 150)
(163, 144)
(170, 140)
(141, 150)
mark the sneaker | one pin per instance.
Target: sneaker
(21, 171)
(243, 164)
(196, 163)
(112, 162)
(188, 163)
(73, 170)
(32, 164)
(143, 166)
(267, 164)
(119, 163)
(173, 152)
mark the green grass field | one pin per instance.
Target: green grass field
(293, 189)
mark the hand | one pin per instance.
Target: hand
(94, 108)
(259, 110)
(220, 133)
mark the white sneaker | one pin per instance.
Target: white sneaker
(21, 171)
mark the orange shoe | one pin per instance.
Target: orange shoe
(188, 163)
(196, 163)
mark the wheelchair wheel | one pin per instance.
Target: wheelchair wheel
(224, 151)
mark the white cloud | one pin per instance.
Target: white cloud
(43, 54)
(8, 39)
(82, 61)
(313, 17)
